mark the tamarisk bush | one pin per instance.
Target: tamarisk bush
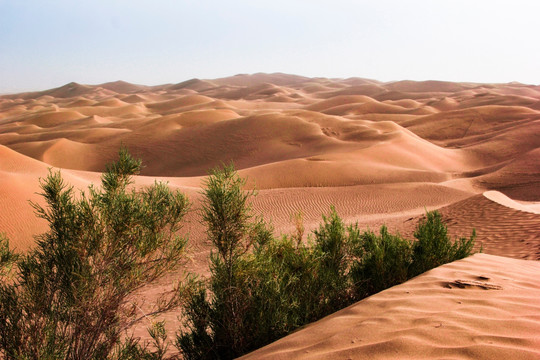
(68, 297)
(262, 287)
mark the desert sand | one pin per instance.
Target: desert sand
(381, 153)
(482, 307)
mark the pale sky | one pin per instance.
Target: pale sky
(47, 43)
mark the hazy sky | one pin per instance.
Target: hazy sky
(47, 43)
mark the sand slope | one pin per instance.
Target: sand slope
(503, 226)
(501, 223)
(482, 307)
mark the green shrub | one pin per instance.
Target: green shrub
(68, 298)
(8, 258)
(434, 247)
(337, 247)
(284, 273)
(261, 287)
(132, 349)
(218, 323)
(385, 262)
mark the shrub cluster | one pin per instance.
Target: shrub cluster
(70, 297)
(262, 288)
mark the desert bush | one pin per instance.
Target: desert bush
(131, 348)
(389, 259)
(434, 247)
(69, 297)
(385, 262)
(8, 258)
(296, 283)
(217, 323)
(262, 287)
(337, 247)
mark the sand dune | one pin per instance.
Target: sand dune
(518, 177)
(502, 199)
(286, 131)
(458, 124)
(338, 101)
(133, 99)
(364, 89)
(379, 152)
(54, 119)
(509, 230)
(111, 102)
(122, 87)
(250, 80)
(426, 86)
(194, 84)
(482, 307)
(80, 101)
(180, 102)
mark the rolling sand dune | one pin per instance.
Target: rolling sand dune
(54, 119)
(381, 153)
(180, 102)
(19, 184)
(111, 102)
(504, 226)
(193, 84)
(482, 307)
(80, 101)
(427, 86)
(364, 89)
(502, 199)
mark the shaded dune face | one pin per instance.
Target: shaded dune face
(305, 143)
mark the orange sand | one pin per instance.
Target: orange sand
(482, 307)
(380, 152)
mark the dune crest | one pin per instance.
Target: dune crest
(502, 199)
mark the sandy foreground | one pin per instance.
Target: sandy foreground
(381, 153)
(482, 307)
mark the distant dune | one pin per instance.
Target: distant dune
(381, 153)
(326, 139)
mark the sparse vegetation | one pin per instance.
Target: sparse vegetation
(262, 288)
(385, 262)
(434, 247)
(68, 298)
